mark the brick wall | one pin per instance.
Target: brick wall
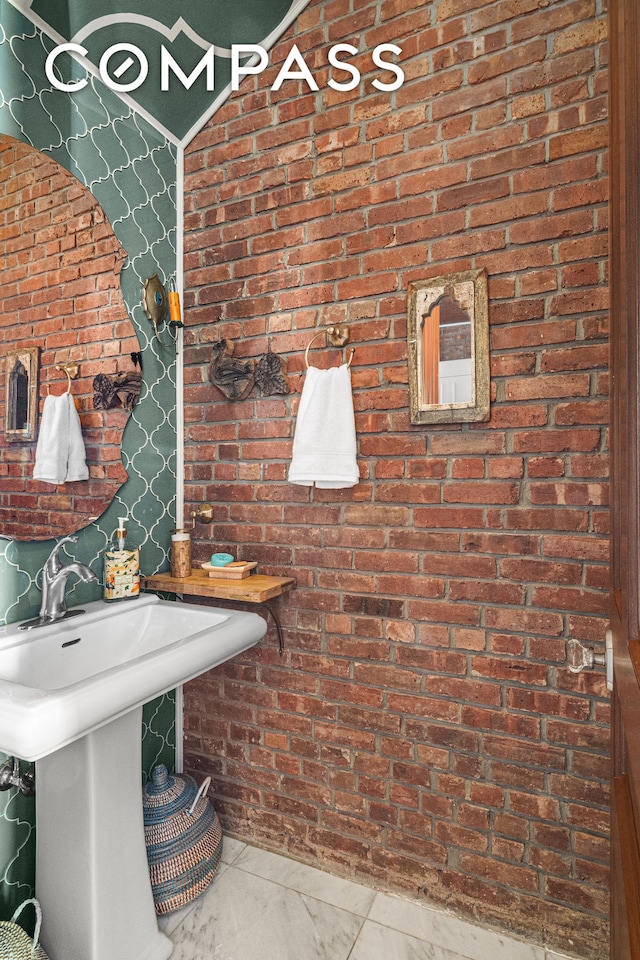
(422, 731)
(455, 341)
(60, 292)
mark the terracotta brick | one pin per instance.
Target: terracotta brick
(428, 627)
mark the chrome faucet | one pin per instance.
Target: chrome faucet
(54, 583)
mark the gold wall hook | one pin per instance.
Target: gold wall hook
(337, 335)
(203, 514)
(71, 369)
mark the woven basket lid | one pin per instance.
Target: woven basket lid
(166, 795)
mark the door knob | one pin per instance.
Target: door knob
(580, 657)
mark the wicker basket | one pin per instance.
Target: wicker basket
(183, 837)
(15, 944)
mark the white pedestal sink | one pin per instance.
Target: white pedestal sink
(71, 697)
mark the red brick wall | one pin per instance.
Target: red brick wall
(422, 731)
(61, 292)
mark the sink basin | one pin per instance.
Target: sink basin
(62, 681)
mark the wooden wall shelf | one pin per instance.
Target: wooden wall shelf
(253, 589)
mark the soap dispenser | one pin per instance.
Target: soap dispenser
(121, 567)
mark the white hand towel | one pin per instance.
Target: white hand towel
(324, 445)
(60, 453)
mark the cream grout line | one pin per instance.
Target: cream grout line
(324, 874)
(441, 951)
(357, 937)
(238, 853)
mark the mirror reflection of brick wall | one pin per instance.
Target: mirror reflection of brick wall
(455, 331)
(60, 292)
(455, 341)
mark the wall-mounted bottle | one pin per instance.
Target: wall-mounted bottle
(121, 567)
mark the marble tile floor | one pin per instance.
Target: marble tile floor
(262, 906)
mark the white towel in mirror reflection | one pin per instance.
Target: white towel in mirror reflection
(60, 453)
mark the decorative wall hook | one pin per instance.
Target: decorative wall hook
(235, 378)
(122, 390)
(271, 374)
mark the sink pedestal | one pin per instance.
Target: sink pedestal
(92, 878)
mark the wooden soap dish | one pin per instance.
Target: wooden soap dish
(233, 571)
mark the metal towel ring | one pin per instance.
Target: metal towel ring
(337, 336)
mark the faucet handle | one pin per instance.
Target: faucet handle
(69, 539)
(60, 542)
(53, 563)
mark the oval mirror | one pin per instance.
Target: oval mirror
(63, 322)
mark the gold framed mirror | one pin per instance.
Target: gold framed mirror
(448, 348)
(21, 395)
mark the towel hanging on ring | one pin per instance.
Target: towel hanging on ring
(324, 445)
(60, 452)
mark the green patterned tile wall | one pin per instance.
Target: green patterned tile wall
(184, 31)
(131, 170)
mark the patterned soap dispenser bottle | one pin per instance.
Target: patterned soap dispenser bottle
(121, 567)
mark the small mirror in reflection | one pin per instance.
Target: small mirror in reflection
(18, 397)
(21, 395)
